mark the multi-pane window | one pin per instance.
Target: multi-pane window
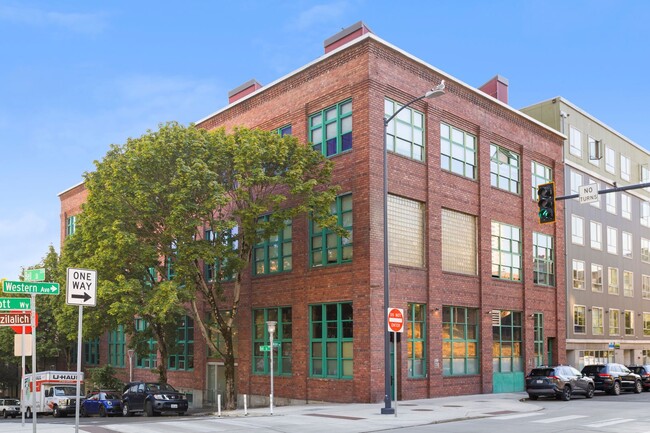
(645, 250)
(628, 320)
(507, 353)
(328, 248)
(506, 251)
(331, 340)
(275, 253)
(614, 321)
(594, 151)
(645, 286)
(330, 130)
(610, 203)
(457, 151)
(504, 169)
(183, 356)
(644, 213)
(596, 278)
(416, 336)
(575, 141)
(285, 130)
(91, 352)
(612, 281)
(405, 231)
(460, 337)
(149, 360)
(626, 206)
(578, 269)
(579, 319)
(543, 260)
(597, 327)
(628, 284)
(218, 269)
(282, 341)
(405, 132)
(612, 240)
(459, 243)
(116, 345)
(577, 230)
(626, 167)
(646, 324)
(576, 182)
(541, 174)
(626, 244)
(596, 233)
(610, 160)
(538, 335)
(70, 225)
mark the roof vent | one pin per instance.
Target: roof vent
(245, 89)
(345, 36)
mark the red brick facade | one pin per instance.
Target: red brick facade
(367, 71)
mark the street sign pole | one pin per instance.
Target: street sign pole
(395, 369)
(33, 380)
(79, 335)
(22, 375)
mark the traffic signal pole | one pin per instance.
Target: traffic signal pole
(607, 191)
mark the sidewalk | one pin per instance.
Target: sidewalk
(342, 418)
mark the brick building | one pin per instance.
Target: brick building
(480, 280)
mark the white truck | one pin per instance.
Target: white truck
(56, 393)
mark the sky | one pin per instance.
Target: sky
(78, 76)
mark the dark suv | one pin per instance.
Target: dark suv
(560, 381)
(613, 377)
(152, 398)
(644, 372)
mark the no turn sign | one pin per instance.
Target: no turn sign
(395, 320)
(82, 287)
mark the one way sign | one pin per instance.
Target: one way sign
(82, 287)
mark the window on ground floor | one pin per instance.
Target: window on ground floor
(416, 335)
(460, 341)
(331, 340)
(282, 341)
(116, 345)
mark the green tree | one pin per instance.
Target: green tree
(152, 200)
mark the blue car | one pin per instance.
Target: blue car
(102, 403)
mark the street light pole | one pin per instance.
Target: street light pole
(271, 328)
(433, 93)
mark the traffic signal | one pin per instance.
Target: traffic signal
(546, 202)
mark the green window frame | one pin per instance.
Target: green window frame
(211, 270)
(116, 347)
(91, 352)
(70, 225)
(284, 130)
(460, 341)
(330, 130)
(405, 132)
(506, 251)
(183, 359)
(540, 174)
(149, 361)
(275, 253)
(505, 169)
(326, 247)
(507, 338)
(416, 339)
(543, 260)
(331, 340)
(282, 341)
(457, 151)
(538, 335)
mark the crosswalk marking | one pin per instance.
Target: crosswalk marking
(608, 422)
(518, 415)
(559, 419)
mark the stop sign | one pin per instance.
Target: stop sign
(395, 320)
(28, 329)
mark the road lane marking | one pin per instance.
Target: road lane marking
(559, 419)
(609, 422)
(517, 415)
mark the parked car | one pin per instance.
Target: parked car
(9, 407)
(559, 381)
(152, 398)
(613, 377)
(102, 403)
(644, 372)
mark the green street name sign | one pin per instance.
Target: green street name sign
(15, 304)
(35, 274)
(29, 287)
(267, 348)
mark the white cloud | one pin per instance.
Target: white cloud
(77, 22)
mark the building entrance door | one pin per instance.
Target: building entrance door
(216, 381)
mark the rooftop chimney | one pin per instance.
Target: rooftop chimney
(345, 36)
(245, 89)
(497, 87)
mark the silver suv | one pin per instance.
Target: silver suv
(9, 407)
